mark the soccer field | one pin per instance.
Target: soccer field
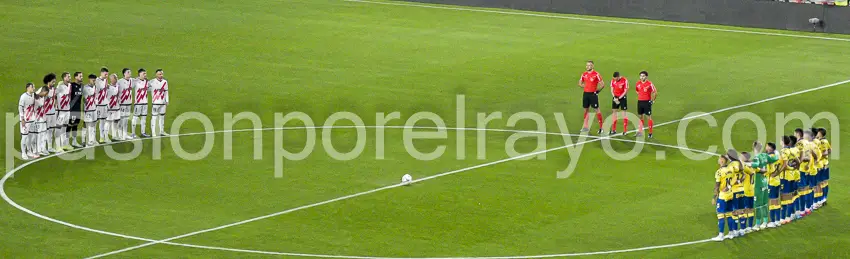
(321, 57)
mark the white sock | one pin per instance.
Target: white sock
(42, 137)
(112, 126)
(33, 142)
(57, 138)
(134, 122)
(122, 127)
(109, 129)
(119, 129)
(64, 139)
(162, 124)
(100, 125)
(116, 129)
(46, 141)
(75, 136)
(24, 144)
(154, 124)
(49, 138)
(91, 131)
(143, 122)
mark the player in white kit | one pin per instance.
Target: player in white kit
(51, 115)
(39, 127)
(113, 109)
(26, 107)
(159, 93)
(63, 104)
(125, 102)
(90, 112)
(140, 107)
(100, 99)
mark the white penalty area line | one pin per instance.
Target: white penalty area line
(434, 6)
(450, 173)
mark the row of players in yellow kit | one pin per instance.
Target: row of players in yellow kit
(797, 182)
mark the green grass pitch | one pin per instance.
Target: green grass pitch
(324, 56)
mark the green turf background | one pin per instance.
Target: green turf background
(321, 57)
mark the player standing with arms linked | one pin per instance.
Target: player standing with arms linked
(40, 121)
(26, 107)
(159, 90)
(589, 81)
(63, 100)
(101, 102)
(826, 149)
(723, 178)
(90, 117)
(646, 97)
(789, 179)
(113, 112)
(125, 101)
(619, 88)
(51, 117)
(818, 169)
(809, 158)
(140, 109)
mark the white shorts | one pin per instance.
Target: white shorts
(51, 121)
(90, 116)
(101, 112)
(25, 127)
(113, 115)
(41, 126)
(125, 110)
(63, 118)
(140, 110)
(158, 109)
(34, 126)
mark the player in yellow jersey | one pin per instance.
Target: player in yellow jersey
(723, 199)
(799, 207)
(788, 179)
(817, 154)
(737, 170)
(807, 167)
(774, 182)
(825, 149)
(748, 182)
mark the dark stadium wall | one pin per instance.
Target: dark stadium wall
(746, 13)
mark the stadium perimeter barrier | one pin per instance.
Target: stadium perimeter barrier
(745, 13)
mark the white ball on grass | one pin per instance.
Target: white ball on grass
(406, 179)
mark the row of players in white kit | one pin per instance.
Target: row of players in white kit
(105, 103)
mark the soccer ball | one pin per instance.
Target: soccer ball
(406, 179)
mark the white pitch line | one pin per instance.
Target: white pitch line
(336, 199)
(454, 172)
(491, 257)
(600, 20)
(8, 200)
